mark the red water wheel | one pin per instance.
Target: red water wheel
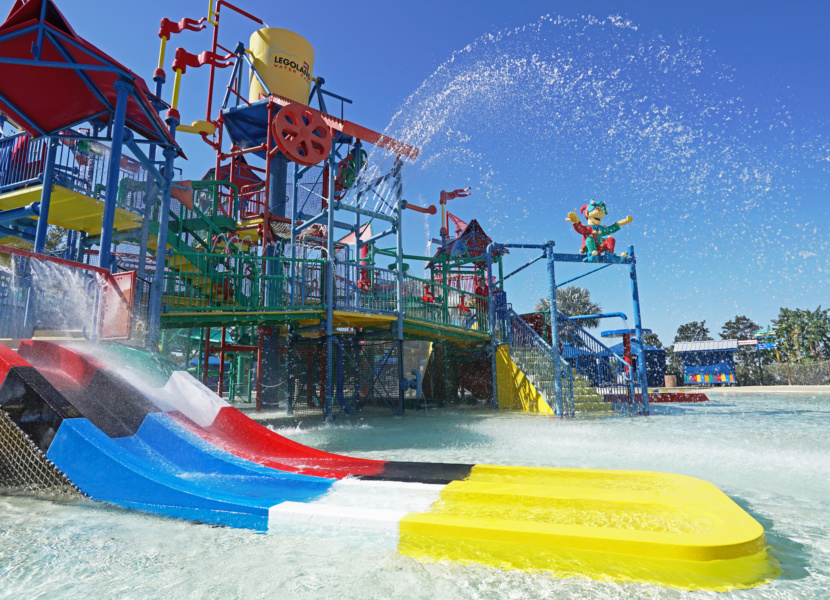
(301, 134)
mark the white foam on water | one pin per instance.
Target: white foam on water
(769, 453)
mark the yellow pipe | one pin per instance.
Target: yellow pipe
(211, 14)
(161, 52)
(176, 83)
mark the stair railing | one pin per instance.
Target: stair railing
(606, 371)
(535, 357)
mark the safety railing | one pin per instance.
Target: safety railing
(374, 289)
(252, 201)
(21, 161)
(536, 358)
(80, 165)
(365, 288)
(203, 281)
(206, 281)
(435, 302)
(594, 362)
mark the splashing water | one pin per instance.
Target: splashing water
(540, 118)
(66, 297)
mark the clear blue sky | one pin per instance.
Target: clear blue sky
(739, 253)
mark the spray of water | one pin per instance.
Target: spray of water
(540, 118)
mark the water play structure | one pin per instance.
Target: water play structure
(273, 264)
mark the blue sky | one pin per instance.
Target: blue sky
(717, 251)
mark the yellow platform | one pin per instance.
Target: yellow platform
(311, 317)
(636, 526)
(70, 209)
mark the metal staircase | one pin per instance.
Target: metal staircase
(589, 385)
(193, 236)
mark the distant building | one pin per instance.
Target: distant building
(707, 362)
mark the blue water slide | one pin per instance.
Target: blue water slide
(159, 471)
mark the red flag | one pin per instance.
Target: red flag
(459, 224)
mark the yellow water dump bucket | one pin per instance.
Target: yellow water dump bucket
(285, 61)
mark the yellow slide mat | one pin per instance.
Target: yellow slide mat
(636, 526)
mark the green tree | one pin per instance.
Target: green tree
(573, 301)
(693, 331)
(739, 328)
(651, 339)
(748, 361)
(802, 336)
(55, 240)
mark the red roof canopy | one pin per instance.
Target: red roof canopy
(70, 82)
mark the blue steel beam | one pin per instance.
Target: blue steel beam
(599, 316)
(58, 65)
(491, 313)
(111, 195)
(129, 140)
(522, 268)
(572, 279)
(18, 32)
(601, 259)
(37, 47)
(330, 258)
(17, 233)
(45, 196)
(380, 235)
(157, 289)
(557, 369)
(125, 73)
(20, 212)
(22, 114)
(399, 203)
(638, 326)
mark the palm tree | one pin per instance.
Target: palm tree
(572, 301)
(817, 331)
(803, 335)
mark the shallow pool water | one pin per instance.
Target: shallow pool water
(771, 453)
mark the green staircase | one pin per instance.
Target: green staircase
(190, 235)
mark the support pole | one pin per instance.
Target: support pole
(206, 357)
(638, 328)
(276, 181)
(260, 336)
(157, 290)
(220, 386)
(491, 315)
(295, 180)
(399, 278)
(554, 328)
(330, 266)
(111, 196)
(46, 196)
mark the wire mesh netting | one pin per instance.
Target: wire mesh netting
(24, 467)
(793, 374)
(364, 378)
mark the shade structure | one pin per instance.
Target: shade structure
(51, 79)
